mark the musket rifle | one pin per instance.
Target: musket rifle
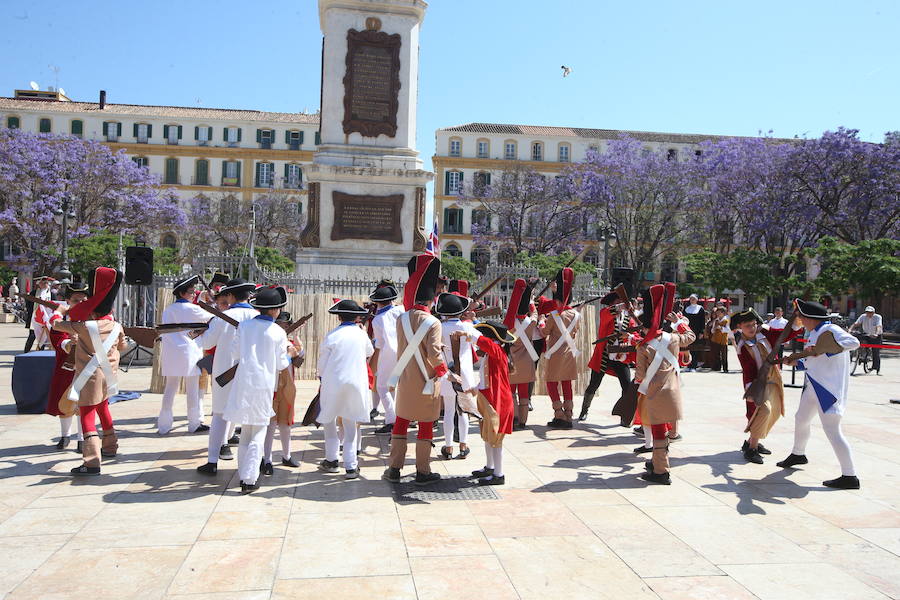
(41, 301)
(757, 390)
(487, 288)
(225, 377)
(489, 312)
(215, 311)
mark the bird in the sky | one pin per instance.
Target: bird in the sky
(566, 70)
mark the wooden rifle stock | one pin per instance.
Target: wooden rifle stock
(493, 311)
(225, 377)
(487, 288)
(215, 311)
(757, 390)
(298, 324)
(41, 301)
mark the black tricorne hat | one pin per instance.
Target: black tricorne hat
(384, 293)
(497, 331)
(219, 277)
(347, 307)
(812, 310)
(237, 285)
(269, 297)
(744, 316)
(76, 287)
(451, 305)
(181, 286)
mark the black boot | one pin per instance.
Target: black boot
(660, 478)
(426, 478)
(763, 450)
(208, 469)
(752, 455)
(585, 406)
(391, 474)
(791, 460)
(844, 482)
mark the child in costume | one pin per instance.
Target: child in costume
(659, 387)
(827, 363)
(523, 354)
(344, 391)
(561, 354)
(450, 306)
(63, 371)
(99, 341)
(261, 352)
(283, 405)
(384, 338)
(495, 401)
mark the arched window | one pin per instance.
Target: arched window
(455, 148)
(537, 150)
(510, 150)
(12, 122)
(565, 152)
(44, 126)
(169, 241)
(483, 148)
(481, 257)
(76, 128)
(453, 250)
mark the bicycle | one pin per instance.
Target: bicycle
(860, 357)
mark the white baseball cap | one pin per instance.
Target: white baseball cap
(869, 309)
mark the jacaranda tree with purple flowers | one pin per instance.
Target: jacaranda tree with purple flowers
(107, 192)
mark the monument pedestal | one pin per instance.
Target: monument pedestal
(366, 203)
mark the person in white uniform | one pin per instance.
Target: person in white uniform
(222, 336)
(261, 351)
(827, 365)
(344, 388)
(179, 353)
(450, 307)
(384, 328)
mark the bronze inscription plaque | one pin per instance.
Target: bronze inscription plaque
(372, 83)
(367, 217)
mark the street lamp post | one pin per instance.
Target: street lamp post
(606, 233)
(62, 215)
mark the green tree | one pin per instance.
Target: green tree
(548, 265)
(870, 268)
(273, 260)
(747, 270)
(100, 249)
(457, 267)
(166, 261)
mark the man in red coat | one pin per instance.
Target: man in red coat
(613, 322)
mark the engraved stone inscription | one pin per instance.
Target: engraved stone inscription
(371, 83)
(367, 217)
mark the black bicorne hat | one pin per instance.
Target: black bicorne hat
(269, 297)
(744, 316)
(347, 307)
(182, 286)
(237, 285)
(451, 305)
(812, 310)
(497, 331)
(219, 277)
(384, 293)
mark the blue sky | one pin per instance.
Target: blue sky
(793, 67)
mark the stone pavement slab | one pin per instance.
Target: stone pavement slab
(574, 521)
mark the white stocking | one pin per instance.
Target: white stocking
(65, 426)
(648, 436)
(284, 434)
(217, 427)
(270, 440)
(498, 461)
(489, 456)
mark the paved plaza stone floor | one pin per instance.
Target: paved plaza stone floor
(573, 521)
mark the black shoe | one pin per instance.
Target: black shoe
(492, 480)
(426, 478)
(446, 453)
(237, 429)
(583, 416)
(752, 455)
(63, 443)
(289, 462)
(530, 407)
(642, 450)
(566, 424)
(248, 488)
(234, 440)
(352, 474)
(225, 453)
(482, 473)
(791, 460)
(556, 424)
(202, 428)
(660, 478)
(517, 426)
(266, 468)
(844, 482)
(372, 414)
(648, 466)
(745, 446)
(678, 437)
(463, 454)
(328, 466)
(638, 431)
(208, 469)
(763, 450)
(385, 429)
(391, 474)
(84, 470)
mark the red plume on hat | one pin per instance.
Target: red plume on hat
(519, 302)
(460, 287)
(421, 287)
(102, 292)
(654, 298)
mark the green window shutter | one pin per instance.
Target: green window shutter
(258, 182)
(209, 134)
(286, 169)
(12, 122)
(224, 171)
(460, 177)
(287, 137)
(196, 133)
(238, 170)
(239, 133)
(487, 179)
(44, 126)
(225, 134)
(77, 127)
(179, 132)
(318, 138)
(135, 129)
(105, 127)
(166, 131)
(258, 136)
(119, 129)
(202, 172)
(446, 183)
(301, 138)
(149, 131)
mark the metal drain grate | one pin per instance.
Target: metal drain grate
(453, 488)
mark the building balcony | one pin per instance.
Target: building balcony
(199, 180)
(231, 181)
(172, 181)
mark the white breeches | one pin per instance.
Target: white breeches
(831, 423)
(284, 434)
(462, 422)
(250, 452)
(387, 399)
(194, 408)
(350, 436)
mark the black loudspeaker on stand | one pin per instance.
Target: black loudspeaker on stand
(625, 276)
(138, 265)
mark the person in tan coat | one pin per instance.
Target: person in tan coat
(561, 353)
(523, 355)
(657, 375)
(419, 369)
(99, 341)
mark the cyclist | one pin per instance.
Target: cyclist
(870, 323)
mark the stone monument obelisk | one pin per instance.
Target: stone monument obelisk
(366, 186)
